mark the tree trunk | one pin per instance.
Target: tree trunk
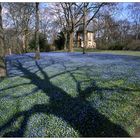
(98, 30)
(137, 31)
(18, 45)
(25, 41)
(1, 34)
(65, 43)
(9, 51)
(37, 55)
(84, 28)
(71, 41)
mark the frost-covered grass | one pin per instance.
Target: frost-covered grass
(70, 95)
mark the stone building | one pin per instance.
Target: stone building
(90, 41)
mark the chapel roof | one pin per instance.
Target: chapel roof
(89, 29)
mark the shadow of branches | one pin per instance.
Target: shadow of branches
(76, 111)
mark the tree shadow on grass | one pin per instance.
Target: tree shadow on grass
(76, 111)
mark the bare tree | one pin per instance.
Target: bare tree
(13, 22)
(1, 34)
(69, 20)
(27, 11)
(44, 22)
(77, 14)
(37, 54)
(124, 30)
(84, 26)
(20, 17)
(87, 8)
(105, 26)
(134, 9)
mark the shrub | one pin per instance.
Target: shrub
(134, 45)
(116, 46)
(101, 45)
(50, 47)
(59, 42)
(43, 43)
(111, 45)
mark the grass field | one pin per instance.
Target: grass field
(133, 53)
(70, 95)
(119, 52)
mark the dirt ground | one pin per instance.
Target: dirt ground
(2, 68)
(2, 72)
(137, 132)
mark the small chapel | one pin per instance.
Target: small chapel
(89, 37)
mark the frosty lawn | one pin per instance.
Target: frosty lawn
(70, 95)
